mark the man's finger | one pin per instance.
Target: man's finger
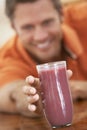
(69, 73)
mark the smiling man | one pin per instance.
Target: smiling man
(38, 30)
(40, 37)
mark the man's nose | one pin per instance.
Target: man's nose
(40, 34)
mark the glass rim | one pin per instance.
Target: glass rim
(51, 65)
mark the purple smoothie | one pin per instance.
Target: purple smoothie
(56, 96)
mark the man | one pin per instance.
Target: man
(40, 37)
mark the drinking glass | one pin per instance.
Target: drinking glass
(56, 95)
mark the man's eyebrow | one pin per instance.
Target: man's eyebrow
(48, 20)
(26, 26)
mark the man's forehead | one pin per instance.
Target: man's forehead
(37, 7)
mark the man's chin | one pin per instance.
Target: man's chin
(45, 59)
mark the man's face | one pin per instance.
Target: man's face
(39, 29)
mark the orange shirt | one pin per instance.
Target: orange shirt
(16, 64)
(75, 15)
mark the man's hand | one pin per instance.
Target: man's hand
(33, 92)
(78, 89)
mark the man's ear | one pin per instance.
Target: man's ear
(62, 18)
(61, 15)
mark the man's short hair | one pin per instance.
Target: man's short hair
(11, 6)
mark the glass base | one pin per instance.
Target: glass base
(61, 126)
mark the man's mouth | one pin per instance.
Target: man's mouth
(44, 45)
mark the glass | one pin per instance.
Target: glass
(56, 96)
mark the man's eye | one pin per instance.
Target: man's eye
(48, 22)
(28, 27)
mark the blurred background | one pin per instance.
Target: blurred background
(5, 28)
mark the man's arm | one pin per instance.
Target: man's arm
(78, 89)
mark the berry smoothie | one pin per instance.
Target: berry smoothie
(56, 96)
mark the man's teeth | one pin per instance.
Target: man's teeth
(43, 45)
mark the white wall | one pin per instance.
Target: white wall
(5, 29)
